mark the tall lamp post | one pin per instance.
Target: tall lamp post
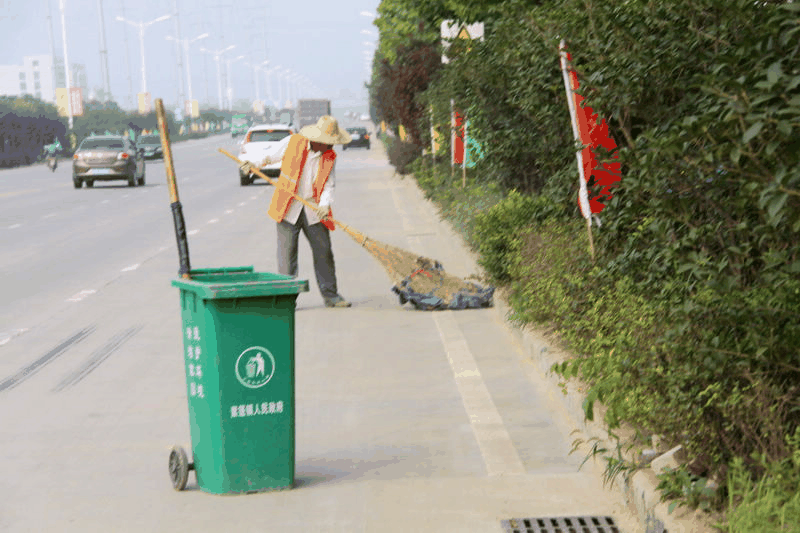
(285, 75)
(141, 27)
(66, 64)
(217, 55)
(256, 68)
(186, 43)
(228, 76)
(278, 71)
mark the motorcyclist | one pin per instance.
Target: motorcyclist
(51, 153)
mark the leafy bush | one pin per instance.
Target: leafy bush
(688, 324)
(770, 503)
(401, 154)
(496, 231)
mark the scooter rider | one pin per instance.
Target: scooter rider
(51, 154)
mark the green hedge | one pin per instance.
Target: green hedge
(687, 325)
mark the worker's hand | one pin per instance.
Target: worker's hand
(244, 168)
(266, 161)
(322, 211)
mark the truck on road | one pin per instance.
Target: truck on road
(309, 111)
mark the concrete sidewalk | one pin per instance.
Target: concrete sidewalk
(405, 420)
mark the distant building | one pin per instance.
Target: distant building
(39, 76)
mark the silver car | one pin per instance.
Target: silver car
(106, 158)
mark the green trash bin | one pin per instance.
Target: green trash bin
(238, 337)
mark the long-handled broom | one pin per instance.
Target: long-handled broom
(417, 279)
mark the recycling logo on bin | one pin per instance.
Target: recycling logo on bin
(255, 367)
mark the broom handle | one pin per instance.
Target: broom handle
(353, 233)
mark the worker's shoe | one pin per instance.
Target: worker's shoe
(337, 301)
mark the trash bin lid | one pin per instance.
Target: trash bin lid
(239, 282)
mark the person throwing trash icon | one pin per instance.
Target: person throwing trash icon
(307, 170)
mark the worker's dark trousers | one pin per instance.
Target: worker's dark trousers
(320, 240)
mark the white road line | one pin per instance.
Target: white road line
(213, 221)
(228, 211)
(15, 226)
(193, 232)
(6, 336)
(104, 202)
(254, 197)
(242, 204)
(81, 295)
(51, 215)
(498, 451)
(130, 268)
(499, 454)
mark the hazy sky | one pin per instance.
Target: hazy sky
(320, 39)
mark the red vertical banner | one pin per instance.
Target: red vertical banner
(592, 132)
(457, 138)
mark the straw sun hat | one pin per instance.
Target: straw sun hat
(326, 131)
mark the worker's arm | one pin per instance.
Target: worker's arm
(326, 197)
(277, 152)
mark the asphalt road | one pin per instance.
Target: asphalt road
(405, 420)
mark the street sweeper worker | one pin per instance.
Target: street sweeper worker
(307, 170)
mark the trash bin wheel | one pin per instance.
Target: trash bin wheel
(178, 468)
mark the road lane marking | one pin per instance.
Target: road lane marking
(254, 197)
(6, 336)
(17, 193)
(51, 215)
(498, 451)
(15, 226)
(104, 202)
(499, 454)
(81, 295)
(193, 232)
(130, 268)
(228, 211)
(242, 204)
(213, 221)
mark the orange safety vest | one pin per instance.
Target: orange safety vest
(291, 169)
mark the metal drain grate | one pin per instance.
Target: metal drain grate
(562, 524)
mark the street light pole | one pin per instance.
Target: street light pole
(144, 69)
(141, 26)
(181, 95)
(66, 64)
(188, 69)
(103, 53)
(186, 43)
(217, 54)
(279, 76)
(268, 84)
(230, 85)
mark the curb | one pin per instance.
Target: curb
(639, 491)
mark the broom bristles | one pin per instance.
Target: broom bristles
(399, 264)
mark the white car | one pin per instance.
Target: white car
(257, 141)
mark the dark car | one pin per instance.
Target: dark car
(106, 158)
(150, 144)
(360, 137)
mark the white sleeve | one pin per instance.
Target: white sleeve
(326, 197)
(276, 153)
